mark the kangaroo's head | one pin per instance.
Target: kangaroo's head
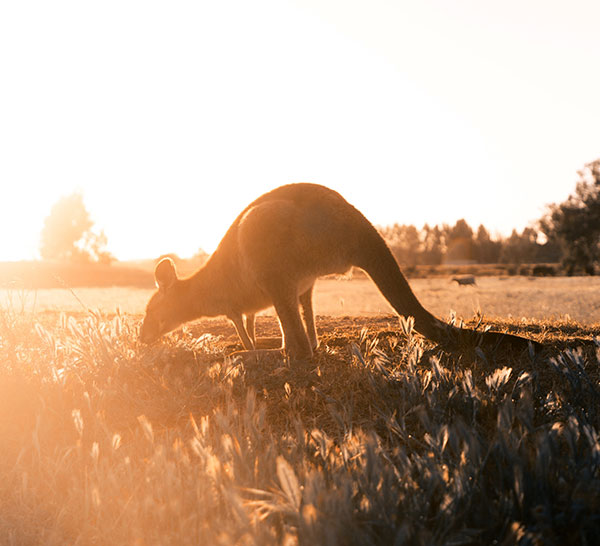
(166, 309)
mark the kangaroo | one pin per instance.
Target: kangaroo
(465, 280)
(272, 255)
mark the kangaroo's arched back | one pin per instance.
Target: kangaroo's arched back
(271, 256)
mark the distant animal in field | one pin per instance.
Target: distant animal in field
(272, 255)
(464, 280)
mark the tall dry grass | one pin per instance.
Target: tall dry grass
(382, 439)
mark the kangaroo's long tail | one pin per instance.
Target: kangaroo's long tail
(379, 263)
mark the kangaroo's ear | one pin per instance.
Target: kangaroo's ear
(165, 274)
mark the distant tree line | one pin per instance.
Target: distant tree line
(568, 233)
(460, 244)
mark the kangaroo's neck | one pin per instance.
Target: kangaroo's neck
(206, 291)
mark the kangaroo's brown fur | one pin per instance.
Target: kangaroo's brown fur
(271, 256)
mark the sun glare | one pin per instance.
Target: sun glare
(170, 121)
(447, 386)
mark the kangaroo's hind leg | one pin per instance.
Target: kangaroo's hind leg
(295, 339)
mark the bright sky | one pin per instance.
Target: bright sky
(170, 117)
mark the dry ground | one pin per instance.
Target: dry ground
(383, 438)
(559, 298)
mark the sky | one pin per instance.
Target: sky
(170, 117)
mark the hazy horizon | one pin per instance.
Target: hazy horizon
(171, 119)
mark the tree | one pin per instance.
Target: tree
(459, 241)
(520, 248)
(486, 250)
(575, 223)
(67, 233)
(404, 242)
(433, 245)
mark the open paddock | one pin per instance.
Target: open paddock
(382, 438)
(577, 298)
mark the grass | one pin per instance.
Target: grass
(46, 274)
(383, 439)
(558, 298)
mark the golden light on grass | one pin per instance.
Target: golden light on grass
(383, 436)
(168, 121)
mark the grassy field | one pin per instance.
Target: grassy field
(516, 297)
(384, 438)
